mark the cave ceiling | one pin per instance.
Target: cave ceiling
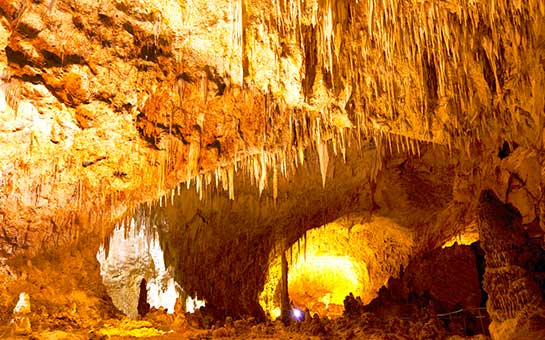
(283, 105)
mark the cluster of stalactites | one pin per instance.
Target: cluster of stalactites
(265, 167)
(416, 62)
(375, 44)
(137, 221)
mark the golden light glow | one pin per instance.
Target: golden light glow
(321, 283)
(466, 238)
(275, 313)
(339, 258)
(131, 328)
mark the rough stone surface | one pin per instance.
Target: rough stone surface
(278, 78)
(514, 297)
(449, 276)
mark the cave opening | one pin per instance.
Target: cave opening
(354, 265)
(360, 264)
(321, 282)
(330, 262)
(133, 270)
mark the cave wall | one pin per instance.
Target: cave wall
(64, 287)
(448, 275)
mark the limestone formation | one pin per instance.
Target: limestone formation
(235, 129)
(21, 322)
(514, 298)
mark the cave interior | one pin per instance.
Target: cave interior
(276, 169)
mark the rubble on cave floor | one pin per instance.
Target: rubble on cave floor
(354, 324)
(364, 326)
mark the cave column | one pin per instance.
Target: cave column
(284, 295)
(515, 302)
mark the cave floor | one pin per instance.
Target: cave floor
(180, 327)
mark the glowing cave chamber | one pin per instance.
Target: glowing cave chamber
(331, 262)
(132, 254)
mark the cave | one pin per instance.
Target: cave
(192, 169)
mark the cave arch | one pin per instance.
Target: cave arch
(203, 233)
(202, 237)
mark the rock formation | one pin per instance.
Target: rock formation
(515, 300)
(235, 127)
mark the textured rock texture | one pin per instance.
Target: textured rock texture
(219, 246)
(64, 287)
(428, 293)
(449, 276)
(515, 299)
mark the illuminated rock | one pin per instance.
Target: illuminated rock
(23, 305)
(21, 322)
(21, 325)
(134, 255)
(337, 259)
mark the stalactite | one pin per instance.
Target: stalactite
(231, 174)
(263, 176)
(198, 188)
(323, 157)
(300, 154)
(275, 180)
